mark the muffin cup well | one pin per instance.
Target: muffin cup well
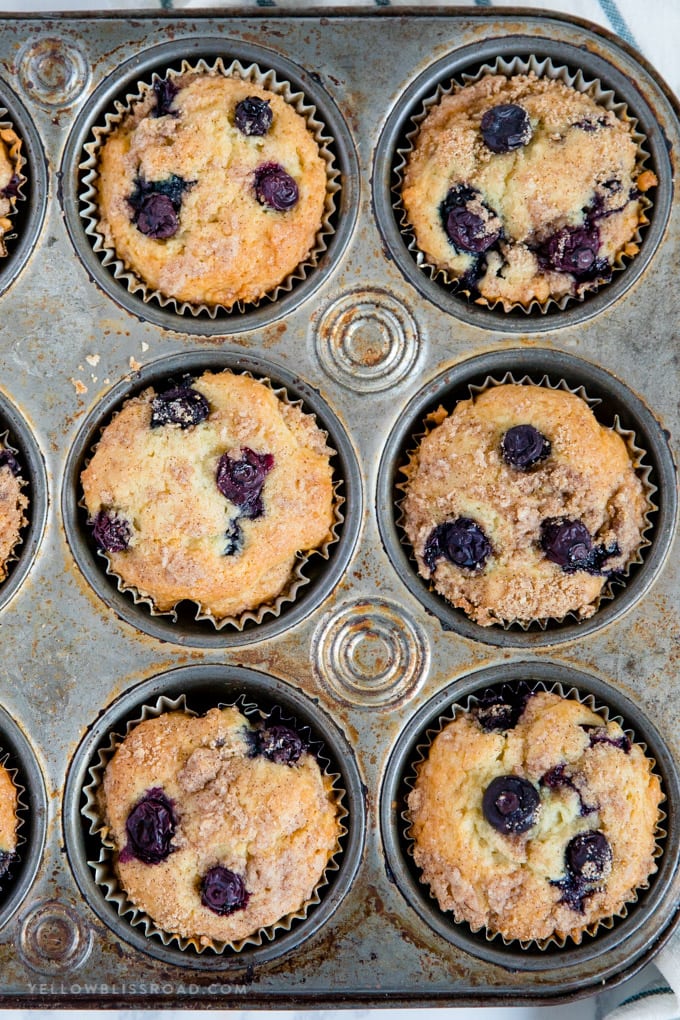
(637, 458)
(631, 931)
(195, 689)
(421, 754)
(315, 573)
(13, 557)
(14, 146)
(6, 877)
(89, 176)
(617, 400)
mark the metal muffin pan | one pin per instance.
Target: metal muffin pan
(366, 345)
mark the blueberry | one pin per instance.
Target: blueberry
(150, 827)
(234, 538)
(111, 532)
(591, 125)
(589, 856)
(275, 188)
(280, 744)
(506, 127)
(469, 224)
(510, 804)
(11, 190)
(181, 406)
(166, 91)
(572, 250)
(462, 542)
(253, 116)
(241, 481)
(522, 446)
(157, 218)
(500, 710)
(569, 545)
(599, 735)
(223, 891)
(8, 458)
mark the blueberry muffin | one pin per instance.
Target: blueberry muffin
(8, 821)
(520, 506)
(11, 180)
(221, 827)
(209, 491)
(524, 189)
(13, 504)
(534, 817)
(211, 189)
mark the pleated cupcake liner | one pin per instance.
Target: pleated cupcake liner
(93, 811)
(635, 452)
(21, 811)
(508, 68)
(89, 168)
(299, 578)
(421, 754)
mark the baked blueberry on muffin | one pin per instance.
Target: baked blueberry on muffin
(8, 821)
(524, 189)
(209, 490)
(221, 826)
(211, 189)
(11, 180)
(520, 506)
(533, 816)
(13, 503)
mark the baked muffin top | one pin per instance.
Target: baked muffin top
(208, 491)
(532, 816)
(520, 505)
(524, 189)
(211, 189)
(13, 503)
(221, 826)
(8, 820)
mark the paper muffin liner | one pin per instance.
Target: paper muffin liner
(298, 580)
(545, 68)
(637, 458)
(89, 171)
(104, 870)
(13, 144)
(21, 812)
(16, 548)
(421, 754)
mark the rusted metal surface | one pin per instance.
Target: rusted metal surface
(361, 652)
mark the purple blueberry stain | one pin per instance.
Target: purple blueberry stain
(523, 446)
(11, 190)
(223, 891)
(501, 710)
(557, 777)
(111, 531)
(253, 116)
(241, 481)
(568, 544)
(181, 405)
(462, 542)
(275, 188)
(470, 225)
(7, 859)
(156, 206)
(599, 735)
(506, 127)
(8, 459)
(150, 828)
(511, 804)
(233, 538)
(165, 91)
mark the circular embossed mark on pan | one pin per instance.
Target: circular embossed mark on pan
(19, 759)
(583, 65)
(612, 948)
(323, 118)
(203, 687)
(31, 202)
(18, 438)
(316, 575)
(618, 407)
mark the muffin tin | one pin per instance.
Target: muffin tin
(366, 654)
